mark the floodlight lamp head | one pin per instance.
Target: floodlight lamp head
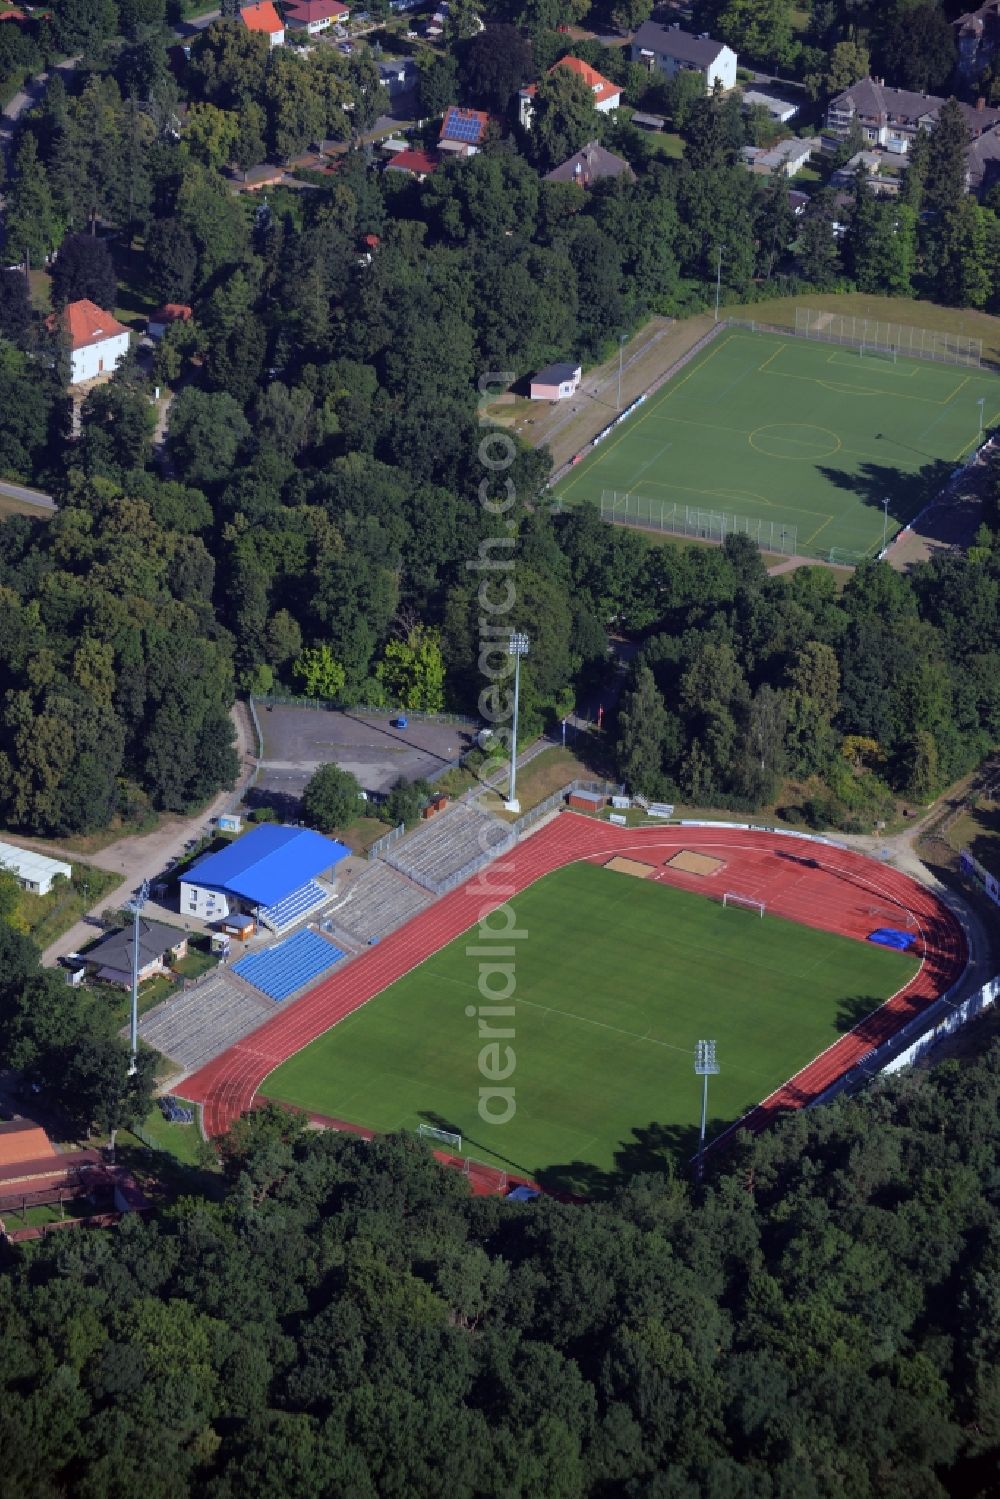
(518, 644)
(704, 1058)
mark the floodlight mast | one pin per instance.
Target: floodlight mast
(518, 645)
(705, 1065)
(135, 906)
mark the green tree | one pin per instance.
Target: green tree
(205, 435)
(564, 116)
(915, 45)
(437, 83)
(944, 173)
(331, 799)
(642, 729)
(84, 268)
(32, 227)
(759, 28)
(412, 670)
(493, 65)
(320, 673)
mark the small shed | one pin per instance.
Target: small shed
(587, 801)
(241, 927)
(556, 382)
(435, 805)
(648, 122)
(220, 943)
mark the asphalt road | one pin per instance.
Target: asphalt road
(26, 496)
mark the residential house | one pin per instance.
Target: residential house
(556, 382)
(398, 75)
(590, 165)
(159, 947)
(977, 34)
(780, 110)
(97, 341)
(871, 163)
(606, 95)
(414, 163)
(263, 19)
(463, 130)
(891, 117)
(787, 157)
(170, 312)
(314, 16)
(669, 50)
(798, 202)
(982, 160)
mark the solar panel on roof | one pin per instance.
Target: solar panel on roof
(462, 127)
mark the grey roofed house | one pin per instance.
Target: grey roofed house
(878, 107)
(670, 41)
(982, 159)
(589, 165)
(555, 374)
(113, 953)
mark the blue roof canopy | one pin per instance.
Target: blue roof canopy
(267, 863)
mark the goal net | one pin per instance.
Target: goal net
(745, 902)
(441, 1136)
(485, 1180)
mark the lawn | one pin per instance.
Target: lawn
(796, 442)
(46, 917)
(616, 980)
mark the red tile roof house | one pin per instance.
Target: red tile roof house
(264, 19)
(462, 130)
(170, 312)
(312, 16)
(419, 164)
(97, 341)
(606, 95)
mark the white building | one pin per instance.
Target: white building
(669, 50)
(34, 872)
(97, 341)
(556, 382)
(605, 94)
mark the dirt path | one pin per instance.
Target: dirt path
(142, 855)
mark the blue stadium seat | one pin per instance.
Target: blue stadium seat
(281, 970)
(285, 913)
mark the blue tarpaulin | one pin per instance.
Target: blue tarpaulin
(888, 936)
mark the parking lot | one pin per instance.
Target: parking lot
(297, 741)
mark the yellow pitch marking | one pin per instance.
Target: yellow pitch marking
(812, 456)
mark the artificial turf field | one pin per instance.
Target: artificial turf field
(795, 432)
(617, 978)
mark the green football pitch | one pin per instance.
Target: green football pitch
(616, 979)
(806, 438)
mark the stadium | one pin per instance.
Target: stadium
(638, 942)
(819, 445)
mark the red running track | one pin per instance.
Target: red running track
(833, 889)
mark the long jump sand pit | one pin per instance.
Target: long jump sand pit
(688, 862)
(630, 866)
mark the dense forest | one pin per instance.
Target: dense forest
(821, 1319)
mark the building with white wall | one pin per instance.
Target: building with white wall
(669, 50)
(98, 342)
(34, 872)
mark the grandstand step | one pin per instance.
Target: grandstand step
(285, 913)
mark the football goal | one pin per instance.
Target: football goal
(441, 1136)
(745, 902)
(897, 915)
